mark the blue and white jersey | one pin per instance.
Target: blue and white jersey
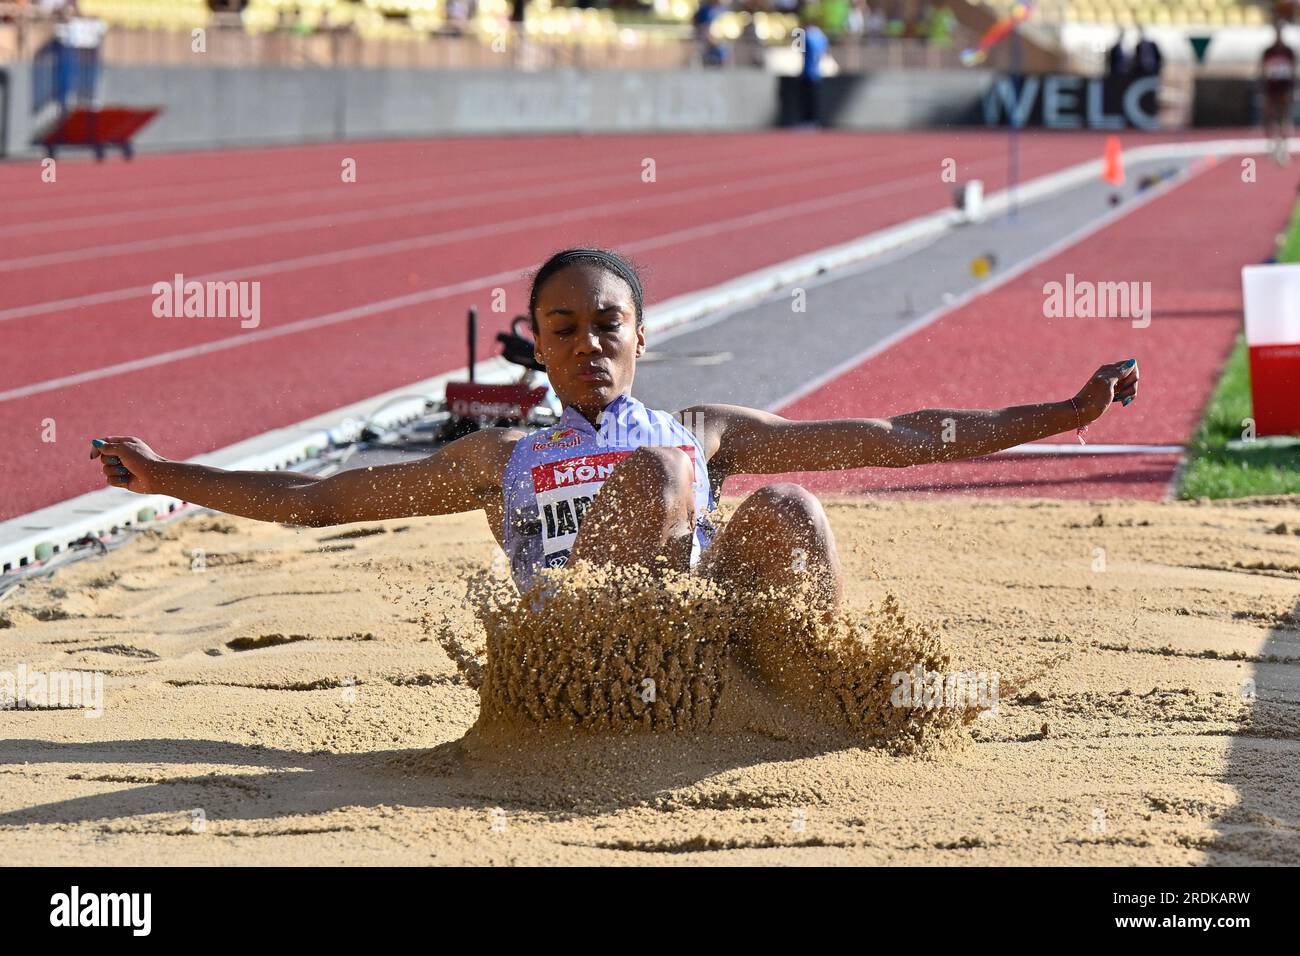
(553, 475)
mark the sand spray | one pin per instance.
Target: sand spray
(603, 649)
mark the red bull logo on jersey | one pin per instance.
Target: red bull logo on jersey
(558, 438)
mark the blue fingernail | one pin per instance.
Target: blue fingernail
(113, 460)
(1127, 400)
(98, 442)
(1130, 363)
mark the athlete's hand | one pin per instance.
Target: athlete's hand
(129, 463)
(1116, 382)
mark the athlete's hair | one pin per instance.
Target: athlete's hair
(611, 262)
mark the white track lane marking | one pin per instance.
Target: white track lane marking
(397, 210)
(317, 260)
(414, 298)
(365, 191)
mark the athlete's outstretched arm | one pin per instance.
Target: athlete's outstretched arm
(455, 478)
(747, 441)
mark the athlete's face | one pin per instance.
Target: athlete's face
(588, 337)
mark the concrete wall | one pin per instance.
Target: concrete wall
(233, 106)
(225, 107)
(204, 108)
(208, 107)
(389, 103)
(18, 129)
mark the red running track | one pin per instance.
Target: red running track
(364, 285)
(999, 349)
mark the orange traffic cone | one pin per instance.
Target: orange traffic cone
(1112, 163)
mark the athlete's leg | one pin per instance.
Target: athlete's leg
(643, 512)
(778, 536)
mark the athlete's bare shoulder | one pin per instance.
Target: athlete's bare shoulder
(495, 437)
(487, 450)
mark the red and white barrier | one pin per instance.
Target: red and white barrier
(1272, 300)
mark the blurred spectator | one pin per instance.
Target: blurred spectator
(875, 23)
(895, 21)
(833, 14)
(749, 49)
(458, 16)
(918, 25)
(1278, 71)
(855, 24)
(1117, 59)
(712, 51)
(1147, 60)
(815, 45)
(74, 49)
(943, 23)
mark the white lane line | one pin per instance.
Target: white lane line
(156, 214)
(403, 301)
(1047, 448)
(154, 196)
(498, 195)
(674, 315)
(261, 335)
(326, 220)
(424, 241)
(317, 260)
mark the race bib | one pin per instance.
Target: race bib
(565, 490)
